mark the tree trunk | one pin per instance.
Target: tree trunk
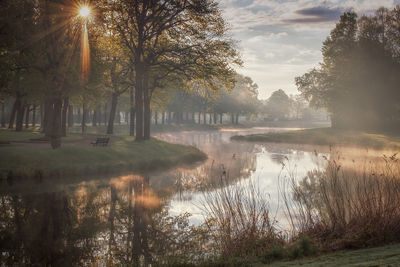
(27, 111)
(220, 118)
(20, 118)
(15, 107)
(70, 116)
(139, 87)
(53, 125)
(84, 114)
(132, 112)
(55, 140)
(113, 110)
(47, 117)
(3, 115)
(64, 117)
(94, 119)
(99, 114)
(42, 116)
(163, 117)
(205, 117)
(210, 116)
(79, 115)
(105, 113)
(34, 116)
(126, 117)
(118, 117)
(147, 114)
(199, 117)
(233, 118)
(237, 118)
(156, 117)
(194, 117)
(169, 117)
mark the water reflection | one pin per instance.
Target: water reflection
(123, 223)
(232, 162)
(49, 229)
(137, 219)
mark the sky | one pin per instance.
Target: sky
(281, 39)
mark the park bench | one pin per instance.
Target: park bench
(102, 141)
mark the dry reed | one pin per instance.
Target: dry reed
(348, 207)
(238, 218)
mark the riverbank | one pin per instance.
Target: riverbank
(77, 157)
(327, 136)
(123, 129)
(380, 256)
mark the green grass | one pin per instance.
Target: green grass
(22, 161)
(381, 256)
(327, 136)
(123, 129)
(7, 136)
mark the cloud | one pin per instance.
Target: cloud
(317, 14)
(282, 39)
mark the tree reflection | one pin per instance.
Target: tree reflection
(46, 230)
(123, 223)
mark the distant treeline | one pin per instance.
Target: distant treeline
(193, 105)
(359, 79)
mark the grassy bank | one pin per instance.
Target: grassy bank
(123, 129)
(11, 136)
(345, 205)
(381, 256)
(40, 161)
(327, 136)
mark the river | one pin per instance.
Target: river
(107, 219)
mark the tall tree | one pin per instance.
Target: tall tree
(166, 37)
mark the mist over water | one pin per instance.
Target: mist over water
(106, 212)
(231, 163)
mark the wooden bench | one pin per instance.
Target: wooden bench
(102, 141)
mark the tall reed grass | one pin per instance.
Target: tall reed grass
(346, 206)
(239, 220)
(343, 204)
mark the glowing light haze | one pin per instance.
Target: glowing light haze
(282, 39)
(84, 11)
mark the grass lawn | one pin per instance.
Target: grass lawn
(123, 129)
(23, 161)
(7, 135)
(381, 256)
(327, 136)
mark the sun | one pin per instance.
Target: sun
(84, 11)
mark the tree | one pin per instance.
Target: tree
(358, 80)
(242, 99)
(278, 105)
(169, 37)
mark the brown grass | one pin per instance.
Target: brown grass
(239, 220)
(347, 206)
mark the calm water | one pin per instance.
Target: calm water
(265, 165)
(137, 217)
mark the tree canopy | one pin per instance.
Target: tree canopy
(358, 79)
